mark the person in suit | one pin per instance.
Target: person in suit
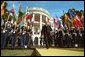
(30, 38)
(71, 36)
(81, 37)
(3, 39)
(13, 37)
(60, 38)
(46, 32)
(56, 39)
(65, 38)
(74, 37)
(18, 40)
(21, 38)
(25, 38)
(48, 35)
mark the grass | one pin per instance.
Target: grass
(16, 52)
(43, 52)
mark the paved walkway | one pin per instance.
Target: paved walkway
(61, 51)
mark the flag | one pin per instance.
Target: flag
(59, 21)
(82, 18)
(12, 13)
(66, 19)
(2, 8)
(71, 13)
(74, 22)
(20, 14)
(63, 21)
(69, 22)
(55, 22)
(21, 24)
(29, 16)
(77, 22)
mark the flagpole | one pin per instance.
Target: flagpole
(15, 23)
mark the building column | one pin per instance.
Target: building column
(40, 28)
(33, 28)
(40, 22)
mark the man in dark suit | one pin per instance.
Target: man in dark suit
(13, 37)
(74, 37)
(3, 38)
(25, 38)
(60, 38)
(46, 32)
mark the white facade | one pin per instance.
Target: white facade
(41, 15)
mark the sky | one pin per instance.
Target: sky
(55, 8)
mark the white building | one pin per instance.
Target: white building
(40, 17)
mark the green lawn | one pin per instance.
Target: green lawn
(16, 52)
(43, 52)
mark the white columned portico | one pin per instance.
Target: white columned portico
(42, 14)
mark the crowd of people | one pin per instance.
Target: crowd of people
(14, 37)
(74, 37)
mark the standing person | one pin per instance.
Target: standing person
(49, 39)
(60, 37)
(21, 38)
(25, 36)
(74, 37)
(82, 37)
(3, 39)
(70, 40)
(12, 37)
(56, 39)
(8, 28)
(71, 36)
(43, 33)
(78, 37)
(30, 42)
(65, 38)
(46, 32)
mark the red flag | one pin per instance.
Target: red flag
(29, 16)
(74, 23)
(77, 22)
